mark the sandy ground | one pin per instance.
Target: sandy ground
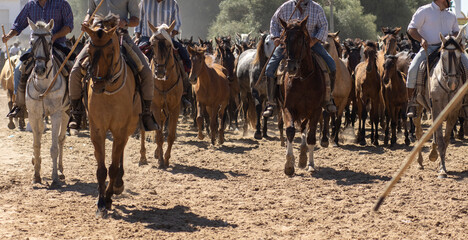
(237, 191)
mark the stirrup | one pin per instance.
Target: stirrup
(411, 111)
(14, 113)
(148, 122)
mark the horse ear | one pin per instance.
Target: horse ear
(384, 30)
(32, 25)
(190, 50)
(191, 40)
(460, 35)
(152, 27)
(238, 35)
(88, 30)
(337, 33)
(200, 41)
(171, 28)
(442, 39)
(304, 22)
(397, 30)
(283, 23)
(218, 41)
(50, 25)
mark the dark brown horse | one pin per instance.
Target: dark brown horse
(303, 88)
(114, 105)
(211, 88)
(368, 98)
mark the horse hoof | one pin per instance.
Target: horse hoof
(201, 137)
(289, 171)
(407, 142)
(421, 167)
(289, 165)
(11, 125)
(143, 161)
(119, 190)
(258, 135)
(433, 156)
(37, 180)
(442, 175)
(362, 142)
(101, 213)
(162, 165)
(283, 144)
(324, 144)
(311, 169)
(303, 157)
(61, 177)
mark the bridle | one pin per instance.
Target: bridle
(155, 64)
(46, 46)
(304, 46)
(453, 63)
(108, 78)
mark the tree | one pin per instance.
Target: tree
(197, 15)
(79, 8)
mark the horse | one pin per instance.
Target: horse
(353, 55)
(6, 77)
(394, 92)
(368, 98)
(168, 90)
(342, 86)
(444, 82)
(55, 104)
(211, 87)
(114, 105)
(303, 88)
(253, 98)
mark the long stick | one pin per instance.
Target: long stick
(282, 34)
(417, 148)
(69, 54)
(8, 52)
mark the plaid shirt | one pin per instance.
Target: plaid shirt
(157, 14)
(316, 24)
(59, 10)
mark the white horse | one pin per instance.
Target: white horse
(445, 81)
(54, 104)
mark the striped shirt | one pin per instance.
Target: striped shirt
(156, 13)
(317, 24)
(124, 8)
(59, 10)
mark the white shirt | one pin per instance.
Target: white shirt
(429, 20)
(14, 50)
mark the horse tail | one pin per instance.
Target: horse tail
(251, 112)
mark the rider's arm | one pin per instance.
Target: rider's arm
(67, 16)
(62, 33)
(10, 34)
(21, 22)
(322, 25)
(413, 32)
(176, 17)
(275, 26)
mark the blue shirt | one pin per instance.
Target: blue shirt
(158, 13)
(59, 10)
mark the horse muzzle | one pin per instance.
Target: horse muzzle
(193, 79)
(452, 84)
(292, 67)
(98, 88)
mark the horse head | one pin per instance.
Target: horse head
(297, 43)
(162, 45)
(450, 55)
(390, 68)
(370, 54)
(389, 40)
(103, 51)
(269, 45)
(197, 55)
(333, 45)
(41, 46)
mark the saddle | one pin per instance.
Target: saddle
(322, 64)
(59, 52)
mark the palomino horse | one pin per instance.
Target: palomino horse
(249, 67)
(211, 88)
(113, 105)
(6, 77)
(394, 92)
(303, 88)
(343, 84)
(168, 90)
(445, 80)
(368, 96)
(55, 104)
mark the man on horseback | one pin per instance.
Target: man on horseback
(426, 24)
(159, 12)
(128, 11)
(44, 10)
(317, 26)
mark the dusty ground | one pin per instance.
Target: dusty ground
(237, 191)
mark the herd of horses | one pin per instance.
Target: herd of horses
(224, 84)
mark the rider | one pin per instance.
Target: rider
(428, 21)
(128, 12)
(36, 10)
(317, 26)
(159, 12)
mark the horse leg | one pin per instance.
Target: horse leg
(461, 132)
(37, 126)
(245, 108)
(281, 127)
(116, 171)
(143, 159)
(375, 124)
(311, 140)
(387, 128)
(61, 142)
(362, 126)
(222, 117)
(326, 126)
(98, 138)
(303, 147)
(11, 124)
(258, 109)
(200, 121)
(173, 118)
(56, 120)
(290, 132)
(337, 127)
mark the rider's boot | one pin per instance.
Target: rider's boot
(20, 104)
(329, 85)
(271, 103)
(412, 105)
(75, 121)
(147, 118)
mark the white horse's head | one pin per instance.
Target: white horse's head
(243, 38)
(450, 55)
(41, 45)
(269, 45)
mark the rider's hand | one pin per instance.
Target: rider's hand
(424, 44)
(277, 42)
(123, 23)
(85, 23)
(6, 38)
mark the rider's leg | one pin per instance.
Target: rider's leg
(20, 77)
(270, 73)
(75, 88)
(464, 60)
(330, 84)
(147, 86)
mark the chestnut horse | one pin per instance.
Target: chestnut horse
(168, 90)
(211, 87)
(6, 77)
(304, 91)
(113, 105)
(368, 98)
(394, 92)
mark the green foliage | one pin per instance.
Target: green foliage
(79, 8)
(197, 15)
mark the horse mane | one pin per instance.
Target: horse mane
(41, 24)
(260, 52)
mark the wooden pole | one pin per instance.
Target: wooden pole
(8, 52)
(419, 145)
(69, 54)
(282, 34)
